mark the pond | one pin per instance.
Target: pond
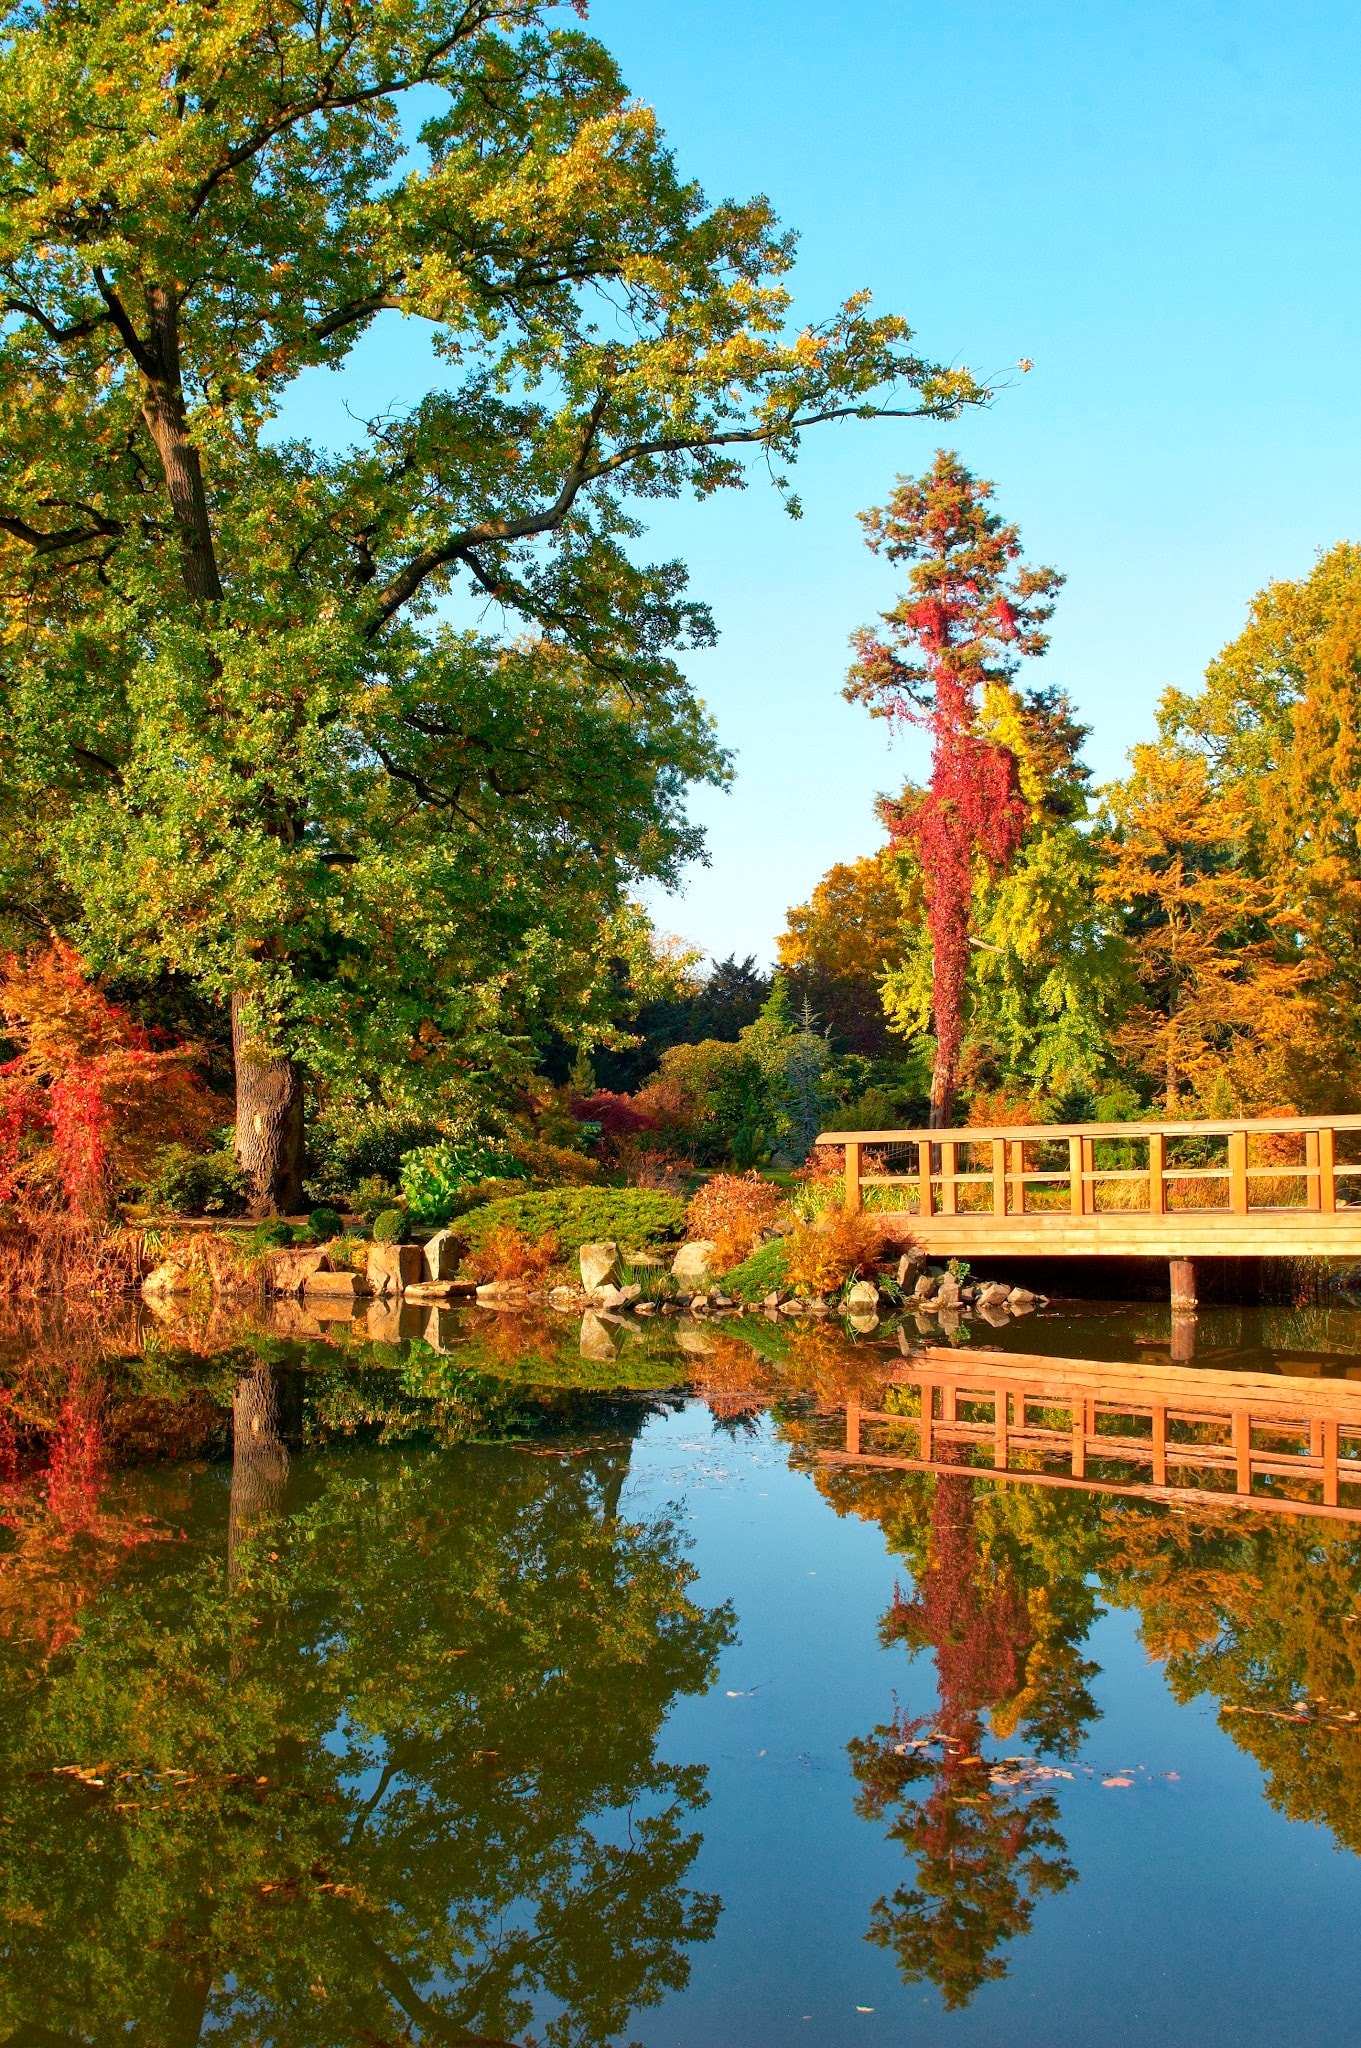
(369, 1692)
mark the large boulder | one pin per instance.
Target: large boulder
(597, 1343)
(172, 1276)
(693, 1264)
(443, 1255)
(862, 1299)
(393, 1267)
(339, 1286)
(600, 1265)
(289, 1272)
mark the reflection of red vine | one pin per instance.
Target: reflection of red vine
(969, 613)
(982, 1857)
(75, 1466)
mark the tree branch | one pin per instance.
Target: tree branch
(583, 472)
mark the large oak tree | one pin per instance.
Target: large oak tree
(366, 743)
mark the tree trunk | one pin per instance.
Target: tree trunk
(259, 1461)
(269, 1122)
(164, 412)
(942, 1113)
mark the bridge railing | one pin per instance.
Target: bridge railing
(1236, 1166)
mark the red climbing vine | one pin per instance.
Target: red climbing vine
(87, 1096)
(971, 610)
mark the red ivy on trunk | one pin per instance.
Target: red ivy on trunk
(970, 611)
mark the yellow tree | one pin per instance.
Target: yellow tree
(838, 946)
(1227, 1022)
(1278, 727)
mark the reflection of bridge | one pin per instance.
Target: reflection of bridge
(1164, 1190)
(1224, 1438)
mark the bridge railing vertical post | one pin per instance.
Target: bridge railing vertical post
(926, 1201)
(851, 1197)
(1157, 1168)
(1238, 1172)
(1075, 1176)
(999, 1177)
(1327, 1182)
(1017, 1151)
(948, 1193)
(1313, 1189)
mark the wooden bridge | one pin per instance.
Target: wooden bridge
(1225, 1439)
(1169, 1190)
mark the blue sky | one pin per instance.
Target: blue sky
(1159, 204)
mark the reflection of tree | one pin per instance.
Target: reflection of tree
(985, 1850)
(259, 1459)
(1264, 1614)
(398, 1779)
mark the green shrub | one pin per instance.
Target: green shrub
(633, 1217)
(390, 1226)
(276, 1235)
(435, 1176)
(323, 1224)
(759, 1275)
(186, 1183)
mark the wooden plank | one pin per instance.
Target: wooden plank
(1242, 1449)
(1238, 1172)
(1327, 1171)
(1210, 1127)
(1016, 1176)
(1329, 1462)
(1077, 1193)
(1194, 1388)
(851, 1196)
(999, 1177)
(1001, 1425)
(948, 1155)
(1189, 1496)
(925, 1203)
(1157, 1165)
(1159, 1446)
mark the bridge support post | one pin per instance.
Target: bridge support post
(1183, 1277)
(1183, 1336)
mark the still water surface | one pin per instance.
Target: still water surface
(497, 1694)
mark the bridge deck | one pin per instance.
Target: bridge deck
(1287, 1185)
(1224, 1439)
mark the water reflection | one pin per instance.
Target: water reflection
(396, 1772)
(332, 1681)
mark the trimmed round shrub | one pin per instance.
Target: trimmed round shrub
(390, 1226)
(274, 1235)
(633, 1217)
(323, 1224)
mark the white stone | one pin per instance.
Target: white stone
(443, 1253)
(600, 1265)
(694, 1262)
(862, 1299)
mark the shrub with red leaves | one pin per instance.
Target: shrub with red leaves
(87, 1098)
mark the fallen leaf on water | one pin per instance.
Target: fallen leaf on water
(864, 2008)
(1117, 1781)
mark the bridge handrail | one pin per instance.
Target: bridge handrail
(938, 1172)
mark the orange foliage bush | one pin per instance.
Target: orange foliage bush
(506, 1253)
(821, 1257)
(733, 1211)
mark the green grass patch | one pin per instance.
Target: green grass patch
(757, 1276)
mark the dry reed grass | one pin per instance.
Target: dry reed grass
(49, 1252)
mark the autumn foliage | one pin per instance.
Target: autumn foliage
(969, 612)
(87, 1098)
(507, 1253)
(734, 1211)
(842, 1245)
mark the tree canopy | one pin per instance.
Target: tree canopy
(368, 742)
